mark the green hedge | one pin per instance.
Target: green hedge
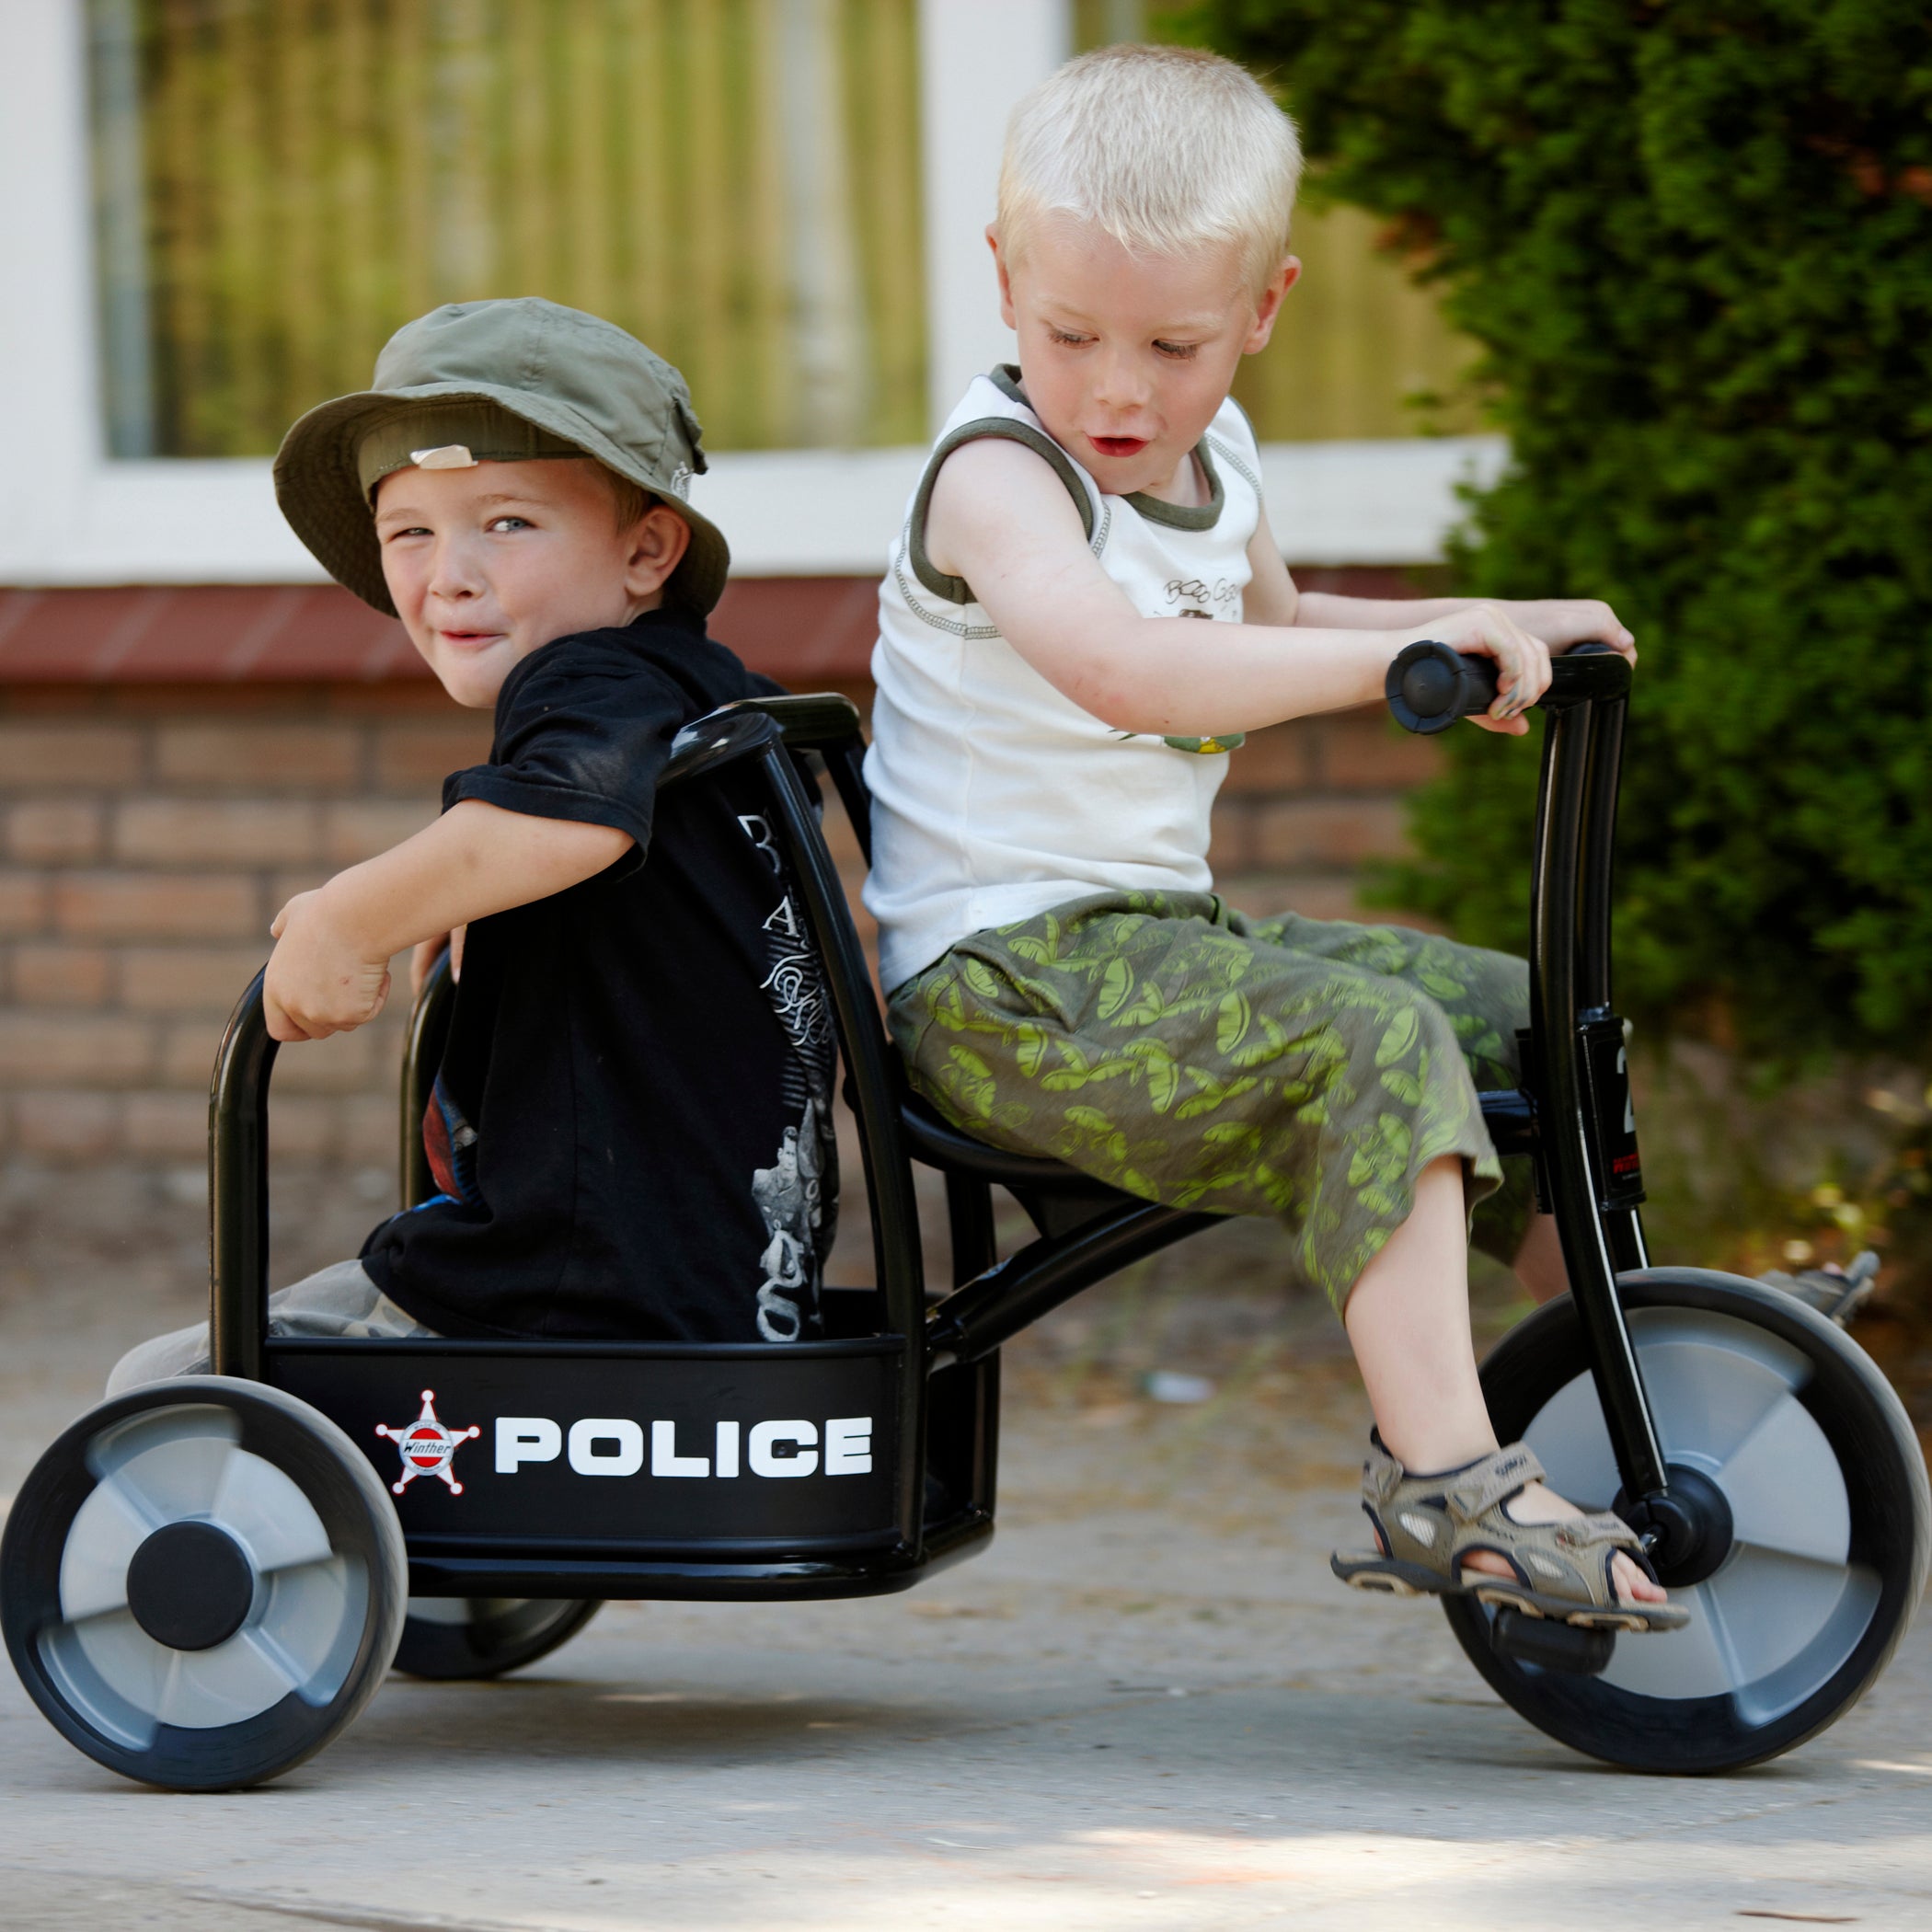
(1694, 243)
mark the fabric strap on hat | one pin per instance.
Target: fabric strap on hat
(491, 433)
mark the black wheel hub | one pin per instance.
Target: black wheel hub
(1691, 1523)
(191, 1586)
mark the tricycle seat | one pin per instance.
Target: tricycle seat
(936, 1143)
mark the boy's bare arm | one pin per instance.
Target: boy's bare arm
(1273, 598)
(1559, 622)
(330, 971)
(1002, 519)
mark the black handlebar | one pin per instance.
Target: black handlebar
(1431, 685)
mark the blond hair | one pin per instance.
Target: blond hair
(1167, 149)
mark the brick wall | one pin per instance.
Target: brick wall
(150, 830)
(149, 837)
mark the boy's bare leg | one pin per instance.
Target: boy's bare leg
(1407, 1320)
(1539, 1262)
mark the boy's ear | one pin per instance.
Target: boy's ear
(1006, 312)
(1268, 304)
(658, 542)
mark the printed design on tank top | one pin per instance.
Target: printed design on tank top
(796, 1196)
(1195, 597)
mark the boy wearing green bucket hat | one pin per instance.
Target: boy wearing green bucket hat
(631, 1124)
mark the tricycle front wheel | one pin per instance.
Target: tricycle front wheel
(1825, 1555)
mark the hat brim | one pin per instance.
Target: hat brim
(319, 486)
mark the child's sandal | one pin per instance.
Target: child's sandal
(1429, 1525)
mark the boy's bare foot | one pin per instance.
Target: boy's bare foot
(1540, 1503)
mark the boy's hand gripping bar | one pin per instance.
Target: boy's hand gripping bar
(1430, 685)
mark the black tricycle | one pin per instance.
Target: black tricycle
(204, 1581)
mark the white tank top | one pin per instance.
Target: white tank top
(994, 797)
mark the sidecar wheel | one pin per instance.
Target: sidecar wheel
(201, 1583)
(457, 1636)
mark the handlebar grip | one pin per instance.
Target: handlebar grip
(1429, 686)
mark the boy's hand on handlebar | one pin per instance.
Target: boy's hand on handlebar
(1565, 622)
(1522, 659)
(317, 984)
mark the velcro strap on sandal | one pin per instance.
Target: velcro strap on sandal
(1587, 1532)
(1494, 1479)
(1381, 1474)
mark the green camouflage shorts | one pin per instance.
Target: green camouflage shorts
(1177, 1049)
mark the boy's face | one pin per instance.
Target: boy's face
(486, 564)
(1125, 359)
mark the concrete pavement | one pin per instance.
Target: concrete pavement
(1148, 1706)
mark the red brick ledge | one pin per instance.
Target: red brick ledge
(224, 633)
(796, 629)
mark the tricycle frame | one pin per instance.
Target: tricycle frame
(1570, 1114)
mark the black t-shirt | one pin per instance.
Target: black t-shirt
(632, 1122)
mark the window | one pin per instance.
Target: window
(279, 184)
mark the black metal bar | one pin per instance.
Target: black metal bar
(530, 1348)
(811, 721)
(888, 1173)
(974, 1320)
(714, 1550)
(969, 1221)
(1599, 853)
(1566, 1127)
(1623, 1230)
(621, 1579)
(428, 1032)
(846, 765)
(1590, 674)
(1623, 1227)
(238, 1190)
(821, 722)
(719, 738)
(562, 1575)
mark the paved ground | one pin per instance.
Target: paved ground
(1147, 1707)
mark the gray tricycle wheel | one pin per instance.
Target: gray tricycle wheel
(465, 1636)
(201, 1583)
(1799, 1604)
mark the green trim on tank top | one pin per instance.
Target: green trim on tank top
(956, 589)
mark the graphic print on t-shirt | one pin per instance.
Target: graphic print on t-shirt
(796, 1195)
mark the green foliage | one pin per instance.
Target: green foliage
(1694, 239)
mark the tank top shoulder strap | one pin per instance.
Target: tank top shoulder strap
(1022, 427)
(1233, 435)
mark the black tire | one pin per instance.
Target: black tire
(1815, 1455)
(452, 1637)
(201, 1583)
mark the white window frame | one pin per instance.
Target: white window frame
(72, 516)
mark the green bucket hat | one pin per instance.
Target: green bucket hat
(508, 381)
